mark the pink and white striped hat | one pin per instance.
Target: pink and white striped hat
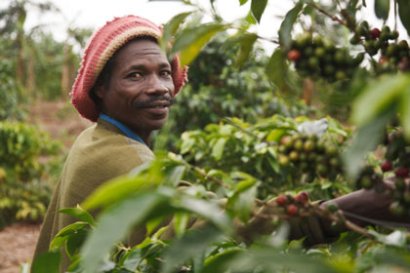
(101, 47)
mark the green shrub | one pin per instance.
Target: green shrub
(9, 93)
(27, 162)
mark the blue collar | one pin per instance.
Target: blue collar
(124, 129)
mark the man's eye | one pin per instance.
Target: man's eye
(166, 73)
(136, 75)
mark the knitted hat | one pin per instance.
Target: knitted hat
(101, 47)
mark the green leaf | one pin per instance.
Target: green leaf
(404, 11)
(121, 187)
(187, 144)
(378, 97)
(172, 26)
(274, 260)
(74, 242)
(286, 26)
(206, 209)
(257, 8)
(114, 224)
(404, 110)
(277, 68)
(63, 234)
(246, 46)
(382, 8)
(243, 2)
(243, 198)
(364, 140)
(180, 223)
(80, 214)
(221, 261)
(218, 148)
(190, 41)
(131, 260)
(176, 175)
(47, 262)
(192, 244)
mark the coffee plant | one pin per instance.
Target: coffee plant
(250, 196)
(277, 150)
(26, 161)
(319, 58)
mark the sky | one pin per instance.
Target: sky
(94, 13)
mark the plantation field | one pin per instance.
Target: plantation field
(63, 124)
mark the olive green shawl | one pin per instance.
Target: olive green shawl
(99, 154)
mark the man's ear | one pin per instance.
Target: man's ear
(100, 91)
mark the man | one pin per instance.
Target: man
(126, 85)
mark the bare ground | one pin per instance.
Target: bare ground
(60, 120)
(17, 243)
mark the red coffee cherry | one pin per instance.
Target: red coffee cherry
(386, 166)
(281, 200)
(402, 172)
(294, 55)
(292, 210)
(375, 33)
(302, 197)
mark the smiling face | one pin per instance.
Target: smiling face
(140, 87)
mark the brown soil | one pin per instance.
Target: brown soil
(61, 121)
(17, 243)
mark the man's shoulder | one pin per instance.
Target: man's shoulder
(98, 142)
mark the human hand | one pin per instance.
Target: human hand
(369, 206)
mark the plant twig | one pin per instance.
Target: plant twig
(326, 13)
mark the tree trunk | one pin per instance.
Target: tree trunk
(31, 77)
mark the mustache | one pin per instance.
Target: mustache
(154, 101)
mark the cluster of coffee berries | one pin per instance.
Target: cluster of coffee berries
(368, 178)
(310, 156)
(293, 205)
(394, 55)
(316, 57)
(397, 166)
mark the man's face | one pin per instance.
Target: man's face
(140, 88)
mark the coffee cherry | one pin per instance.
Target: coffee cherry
(294, 55)
(403, 45)
(363, 29)
(292, 210)
(302, 197)
(402, 172)
(298, 145)
(355, 40)
(283, 160)
(294, 156)
(340, 75)
(375, 33)
(394, 35)
(366, 182)
(309, 145)
(358, 59)
(386, 166)
(281, 200)
(370, 47)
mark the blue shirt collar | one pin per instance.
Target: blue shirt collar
(122, 127)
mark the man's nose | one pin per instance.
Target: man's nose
(157, 86)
